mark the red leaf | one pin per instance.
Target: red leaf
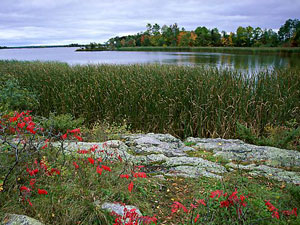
(24, 188)
(42, 192)
(78, 138)
(76, 165)
(99, 170)
(124, 176)
(75, 131)
(91, 160)
(29, 202)
(130, 186)
(32, 182)
(106, 168)
(64, 136)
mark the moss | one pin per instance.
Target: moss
(208, 155)
(190, 144)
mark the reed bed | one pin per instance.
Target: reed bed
(181, 100)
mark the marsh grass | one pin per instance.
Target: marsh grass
(181, 100)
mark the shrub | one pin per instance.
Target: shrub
(287, 136)
(15, 97)
(60, 123)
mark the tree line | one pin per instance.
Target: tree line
(287, 36)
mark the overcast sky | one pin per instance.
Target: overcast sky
(33, 22)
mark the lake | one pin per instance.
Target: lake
(249, 62)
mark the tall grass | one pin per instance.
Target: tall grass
(184, 101)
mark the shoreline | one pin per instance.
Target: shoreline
(251, 50)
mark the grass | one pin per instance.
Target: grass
(208, 155)
(184, 101)
(235, 50)
(72, 196)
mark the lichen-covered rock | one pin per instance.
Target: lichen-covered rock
(195, 162)
(14, 219)
(150, 159)
(191, 171)
(269, 172)
(115, 146)
(118, 208)
(165, 154)
(238, 150)
(156, 144)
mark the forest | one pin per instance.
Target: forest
(155, 35)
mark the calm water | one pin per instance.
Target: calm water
(234, 61)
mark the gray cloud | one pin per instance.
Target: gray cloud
(30, 22)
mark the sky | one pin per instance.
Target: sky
(40, 22)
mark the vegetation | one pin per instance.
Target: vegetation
(60, 123)
(234, 50)
(13, 96)
(93, 47)
(155, 35)
(285, 136)
(183, 101)
(58, 188)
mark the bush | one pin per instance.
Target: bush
(15, 97)
(287, 136)
(61, 123)
(103, 131)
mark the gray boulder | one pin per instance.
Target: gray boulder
(14, 219)
(144, 144)
(237, 150)
(118, 208)
(269, 172)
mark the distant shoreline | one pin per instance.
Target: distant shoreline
(43, 46)
(252, 50)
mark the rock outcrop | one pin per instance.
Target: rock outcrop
(14, 219)
(167, 155)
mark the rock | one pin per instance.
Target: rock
(144, 144)
(269, 172)
(150, 159)
(110, 147)
(238, 150)
(147, 141)
(188, 149)
(14, 219)
(118, 208)
(191, 171)
(160, 177)
(165, 154)
(195, 162)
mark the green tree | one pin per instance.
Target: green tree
(170, 34)
(241, 37)
(249, 32)
(257, 34)
(156, 29)
(149, 29)
(269, 38)
(215, 37)
(203, 36)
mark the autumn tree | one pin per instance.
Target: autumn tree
(173, 35)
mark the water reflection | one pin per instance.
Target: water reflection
(235, 61)
(242, 62)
